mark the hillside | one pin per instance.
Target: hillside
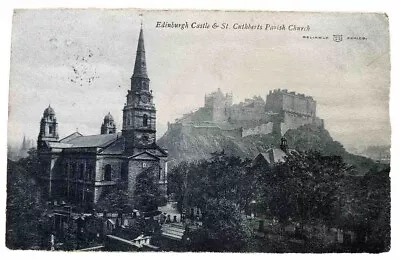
(188, 147)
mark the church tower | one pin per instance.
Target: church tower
(139, 113)
(108, 125)
(48, 127)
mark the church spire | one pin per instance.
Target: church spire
(140, 70)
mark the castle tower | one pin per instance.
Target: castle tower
(108, 125)
(139, 113)
(48, 127)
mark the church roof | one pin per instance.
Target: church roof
(92, 140)
(70, 137)
(111, 144)
(49, 111)
(140, 70)
(116, 147)
(108, 117)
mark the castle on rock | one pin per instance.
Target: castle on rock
(280, 111)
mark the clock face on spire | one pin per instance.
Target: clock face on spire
(144, 98)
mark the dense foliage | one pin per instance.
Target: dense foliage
(147, 193)
(26, 220)
(224, 228)
(308, 189)
(115, 200)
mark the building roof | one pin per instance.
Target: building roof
(92, 140)
(140, 69)
(116, 147)
(174, 231)
(49, 111)
(111, 144)
(70, 137)
(108, 117)
(273, 156)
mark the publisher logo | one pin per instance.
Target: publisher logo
(337, 37)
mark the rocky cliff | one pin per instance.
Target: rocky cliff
(183, 146)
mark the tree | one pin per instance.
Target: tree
(31, 162)
(366, 209)
(378, 206)
(177, 181)
(115, 200)
(221, 177)
(24, 209)
(303, 188)
(224, 228)
(147, 193)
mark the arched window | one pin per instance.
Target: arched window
(145, 120)
(107, 172)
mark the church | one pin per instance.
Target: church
(81, 169)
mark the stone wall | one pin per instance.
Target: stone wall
(294, 121)
(261, 129)
(279, 101)
(201, 115)
(250, 109)
(135, 167)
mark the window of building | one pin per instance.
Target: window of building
(51, 129)
(124, 171)
(145, 120)
(89, 172)
(107, 173)
(66, 170)
(144, 165)
(81, 171)
(73, 170)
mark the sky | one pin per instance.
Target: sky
(80, 62)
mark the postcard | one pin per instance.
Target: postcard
(199, 131)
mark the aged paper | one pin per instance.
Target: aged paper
(210, 131)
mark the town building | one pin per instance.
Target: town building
(274, 156)
(82, 169)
